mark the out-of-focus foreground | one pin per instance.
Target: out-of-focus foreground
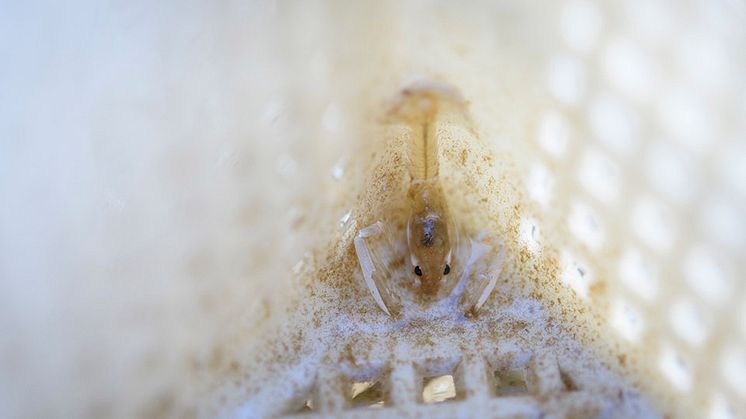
(168, 171)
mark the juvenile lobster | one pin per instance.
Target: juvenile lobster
(431, 234)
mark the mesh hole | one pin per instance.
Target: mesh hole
(369, 388)
(510, 382)
(442, 381)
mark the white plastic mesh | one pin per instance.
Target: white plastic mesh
(173, 176)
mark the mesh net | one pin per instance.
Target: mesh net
(187, 250)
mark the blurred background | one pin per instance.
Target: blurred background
(165, 166)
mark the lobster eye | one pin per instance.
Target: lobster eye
(417, 271)
(447, 270)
